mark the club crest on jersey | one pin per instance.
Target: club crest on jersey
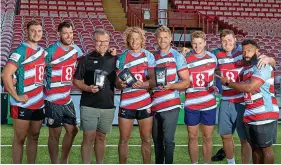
(51, 121)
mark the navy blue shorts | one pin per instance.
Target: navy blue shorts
(195, 117)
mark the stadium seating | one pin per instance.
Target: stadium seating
(243, 8)
(7, 19)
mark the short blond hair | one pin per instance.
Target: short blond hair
(226, 32)
(127, 34)
(198, 34)
(163, 29)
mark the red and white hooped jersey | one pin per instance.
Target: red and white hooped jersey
(200, 94)
(261, 105)
(29, 74)
(138, 64)
(165, 100)
(61, 65)
(231, 66)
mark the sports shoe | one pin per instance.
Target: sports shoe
(220, 155)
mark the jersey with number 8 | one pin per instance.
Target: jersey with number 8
(231, 66)
(59, 72)
(136, 99)
(200, 94)
(29, 74)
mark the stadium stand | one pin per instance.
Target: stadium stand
(250, 19)
(7, 19)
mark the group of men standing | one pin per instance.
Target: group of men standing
(44, 80)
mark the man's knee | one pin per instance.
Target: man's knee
(19, 139)
(101, 136)
(193, 136)
(207, 138)
(146, 139)
(73, 132)
(54, 136)
(227, 137)
(33, 136)
(123, 141)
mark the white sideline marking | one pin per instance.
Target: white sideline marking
(183, 145)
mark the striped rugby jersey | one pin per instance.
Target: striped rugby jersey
(200, 94)
(165, 100)
(29, 74)
(230, 66)
(138, 64)
(61, 65)
(261, 105)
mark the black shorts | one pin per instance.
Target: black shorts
(57, 114)
(134, 114)
(261, 136)
(27, 114)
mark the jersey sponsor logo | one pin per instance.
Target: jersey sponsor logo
(231, 75)
(248, 98)
(15, 57)
(67, 74)
(200, 79)
(39, 74)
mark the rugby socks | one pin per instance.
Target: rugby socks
(231, 161)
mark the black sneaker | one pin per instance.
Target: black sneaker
(220, 155)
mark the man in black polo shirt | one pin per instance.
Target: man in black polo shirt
(95, 76)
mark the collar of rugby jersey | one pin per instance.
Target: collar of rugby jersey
(26, 44)
(200, 55)
(171, 50)
(59, 44)
(236, 49)
(136, 54)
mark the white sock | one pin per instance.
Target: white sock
(231, 161)
(195, 163)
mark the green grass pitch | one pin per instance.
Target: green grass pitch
(111, 156)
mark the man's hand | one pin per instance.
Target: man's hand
(185, 50)
(123, 84)
(263, 61)
(138, 85)
(14, 81)
(93, 89)
(22, 98)
(168, 86)
(113, 51)
(223, 79)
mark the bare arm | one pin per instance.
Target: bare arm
(248, 87)
(183, 84)
(119, 84)
(81, 85)
(266, 60)
(8, 81)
